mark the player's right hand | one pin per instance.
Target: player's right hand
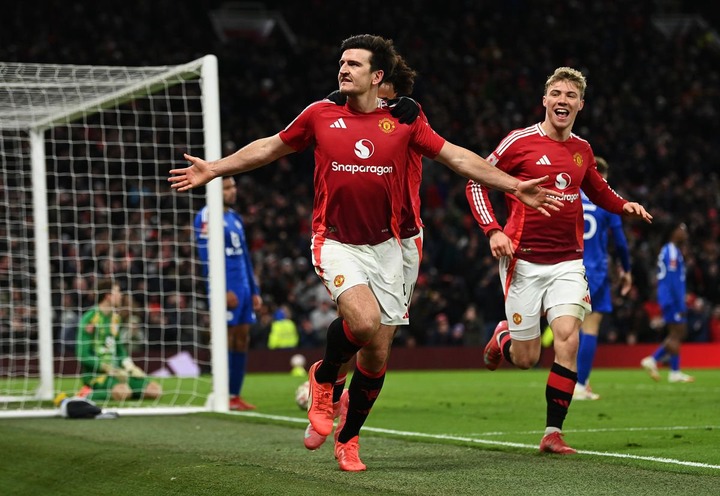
(625, 282)
(500, 244)
(337, 98)
(232, 301)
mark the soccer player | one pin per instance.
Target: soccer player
(595, 258)
(360, 164)
(243, 294)
(671, 298)
(541, 267)
(400, 82)
(108, 371)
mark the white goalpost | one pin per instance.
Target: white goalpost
(84, 196)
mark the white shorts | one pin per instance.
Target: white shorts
(380, 267)
(412, 256)
(531, 289)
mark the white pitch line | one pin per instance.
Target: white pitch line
(608, 429)
(534, 447)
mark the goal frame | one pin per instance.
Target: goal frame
(217, 401)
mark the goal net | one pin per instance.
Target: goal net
(84, 196)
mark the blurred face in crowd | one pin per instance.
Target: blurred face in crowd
(355, 76)
(562, 102)
(229, 192)
(680, 235)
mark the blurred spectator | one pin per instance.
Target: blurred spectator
(283, 331)
(659, 131)
(323, 314)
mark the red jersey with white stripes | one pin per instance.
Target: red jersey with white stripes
(529, 153)
(410, 221)
(360, 168)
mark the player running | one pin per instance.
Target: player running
(541, 267)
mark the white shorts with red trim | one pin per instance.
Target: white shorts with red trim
(380, 267)
(412, 256)
(531, 289)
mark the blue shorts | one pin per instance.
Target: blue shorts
(674, 314)
(600, 297)
(244, 313)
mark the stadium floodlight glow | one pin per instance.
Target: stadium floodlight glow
(85, 155)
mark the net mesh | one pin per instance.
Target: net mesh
(110, 136)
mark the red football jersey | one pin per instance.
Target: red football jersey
(527, 154)
(410, 221)
(360, 167)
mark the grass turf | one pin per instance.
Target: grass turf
(455, 432)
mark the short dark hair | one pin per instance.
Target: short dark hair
(104, 287)
(402, 78)
(382, 51)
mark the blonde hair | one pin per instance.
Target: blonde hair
(567, 74)
(602, 166)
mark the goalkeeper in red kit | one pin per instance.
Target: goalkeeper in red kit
(108, 371)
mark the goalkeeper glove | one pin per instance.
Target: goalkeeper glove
(119, 374)
(132, 369)
(404, 109)
(337, 98)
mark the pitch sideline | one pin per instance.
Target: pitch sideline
(670, 461)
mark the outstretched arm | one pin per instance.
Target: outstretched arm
(472, 166)
(257, 154)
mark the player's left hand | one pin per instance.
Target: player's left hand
(404, 109)
(634, 209)
(257, 302)
(131, 369)
(533, 195)
(196, 174)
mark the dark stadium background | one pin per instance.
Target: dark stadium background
(652, 109)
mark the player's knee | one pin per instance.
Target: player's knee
(365, 327)
(524, 361)
(121, 392)
(153, 390)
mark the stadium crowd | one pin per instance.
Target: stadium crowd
(653, 110)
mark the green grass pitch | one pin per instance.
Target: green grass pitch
(468, 432)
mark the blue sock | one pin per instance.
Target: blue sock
(236, 365)
(586, 355)
(659, 353)
(674, 363)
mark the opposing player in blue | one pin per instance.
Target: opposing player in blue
(598, 222)
(243, 292)
(671, 298)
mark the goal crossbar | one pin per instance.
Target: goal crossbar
(47, 105)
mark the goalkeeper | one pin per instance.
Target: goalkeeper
(108, 371)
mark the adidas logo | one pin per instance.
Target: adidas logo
(338, 124)
(543, 161)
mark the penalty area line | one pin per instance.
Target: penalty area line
(488, 442)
